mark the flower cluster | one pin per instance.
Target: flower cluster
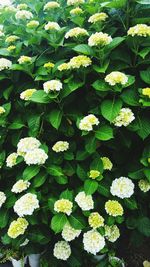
(69, 233)
(76, 32)
(24, 60)
(112, 233)
(11, 39)
(2, 198)
(36, 156)
(116, 77)
(113, 208)
(60, 146)
(144, 185)
(11, 160)
(51, 25)
(64, 206)
(22, 6)
(94, 174)
(124, 118)
(49, 65)
(25, 95)
(51, 5)
(17, 227)
(53, 85)
(139, 30)
(23, 14)
(2, 110)
(62, 250)
(85, 202)
(33, 24)
(146, 92)
(95, 220)
(75, 2)
(5, 64)
(87, 123)
(79, 61)
(26, 204)
(122, 187)
(27, 144)
(107, 164)
(76, 11)
(20, 186)
(93, 242)
(99, 39)
(98, 17)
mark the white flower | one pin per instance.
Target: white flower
(60, 146)
(22, 6)
(26, 95)
(69, 233)
(76, 32)
(98, 17)
(122, 187)
(139, 30)
(76, 11)
(2, 198)
(93, 242)
(35, 156)
(112, 233)
(53, 85)
(51, 5)
(1, 34)
(2, 110)
(27, 144)
(11, 39)
(144, 185)
(20, 186)
(33, 24)
(62, 250)
(99, 39)
(5, 64)
(26, 205)
(23, 14)
(79, 61)
(64, 206)
(25, 60)
(85, 202)
(11, 160)
(124, 118)
(87, 123)
(75, 2)
(116, 77)
(52, 26)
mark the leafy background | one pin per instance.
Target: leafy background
(54, 118)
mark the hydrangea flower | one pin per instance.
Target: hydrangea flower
(60, 146)
(69, 233)
(116, 77)
(98, 17)
(95, 220)
(139, 30)
(53, 85)
(93, 242)
(11, 160)
(26, 204)
(64, 206)
(2, 198)
(26, 95)
(5, 64)
(20, 186)
(144, 185)
(2, 110)
(113, 208)
(112, 233)
(99, 39)
(17, 227)
(62, 250)
(76, 32)
(124, 118)
(122, 187)
(85, 202)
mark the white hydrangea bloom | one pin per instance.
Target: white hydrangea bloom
(139, 30)
(51, 25)
(51, 5)
(122, 187)
(62, 250)
(53, 85)
(26, 204)
(33, 24)
(23, 14)
(69, 233)
(98, 17)
(26, 95)
(87, 123)
(124, 118)
(99, 39)
(93, 242)
(112, 233)
(35, 156)
(20, 186)
(11, 160)
(76, 32)
(60, 146)
(22, 6)
(79, 61)
(2, 110)
(144, 185)
(1, 34)
(5, 64)
(2, 198)
(116, 77)
(27, 144)
(75, 2)
(85, 202)
(25, 60)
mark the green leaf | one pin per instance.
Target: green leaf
(103, 68)
(104, 133)
(145, 75)
(81, 173)
(4, 218)
(58, 221)
(103, 190)
(55, 118)
(77, 222)
(33, 124)
(16, 124)
(136, 174)
(84, 49)
(144, 226)
(131, 80)
(144, 52)
(130, 97)
(147, 173)
(90, 187)
(100, 85)
(110, 109)
(115, 42)
(39, 180)
(55, 170)
(70, 87)
(30, 172)
(67, 194)
(40, 97)
(143, 2)
(130, 203)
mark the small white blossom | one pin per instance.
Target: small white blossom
(23, 14)
(69, 233)
(62, 250)
(2, 198)
(93, 242)
(35, 156)
(26, 204)
(124, 118)
(122, 187)
(20, 186)
(53, 85)
(52, 26)
(5, 64)
(85, 202)
(11, 160)
(60, 146)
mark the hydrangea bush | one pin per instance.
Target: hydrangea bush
(75, 152)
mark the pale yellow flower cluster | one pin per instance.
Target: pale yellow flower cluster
(93, 241)
(76, 63)
(144, 185)
(11, 39)
(124, 118)
(69, 233)
(26, 204)
(95, 220)
(26, 95)
(11, 48)
(5, 64)
(53, 85)
(33, 24)
(25, 60)
(76, 11)
(22, 6)
(11, 160)
(20, 186)
(107, 164)
(62, 250)
(113, 208)
(51, 5)
(146, 92)
(23, 14)
(76, 32)
(2, 110)
(139, 30)
(116, 77)
(112, 233)
(122, 187)
(75, 2)
(64, 206)
(49, 65)
(85, 202)
(98, 17)
(94, 174)
(17, 227)
(52, 26)
(60, 146)
(99, 39)
(87, 123)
